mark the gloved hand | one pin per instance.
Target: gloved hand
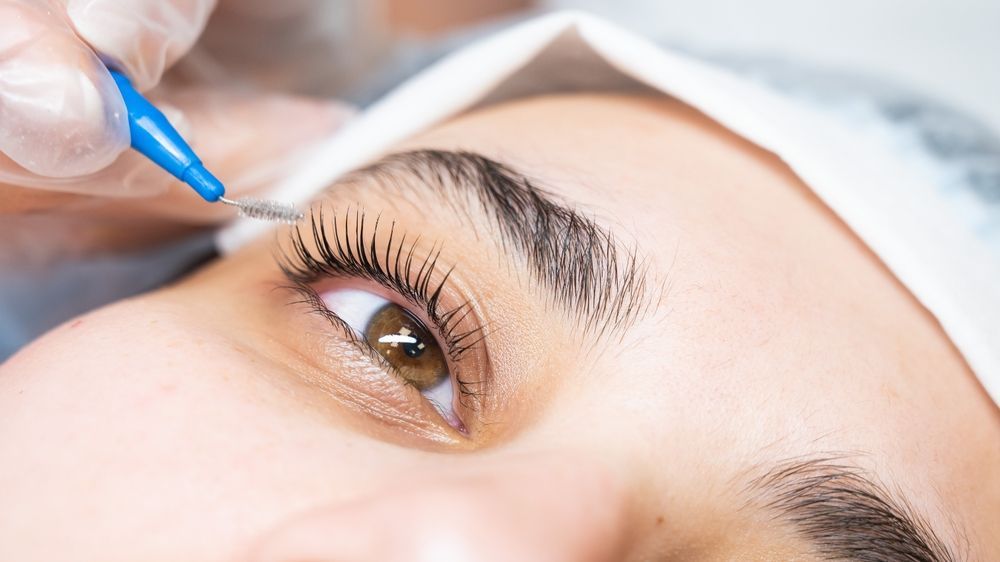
(63, 125)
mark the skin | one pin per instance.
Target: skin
(211, 420)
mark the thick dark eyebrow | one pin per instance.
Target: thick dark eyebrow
(845, 515)
(585, 269)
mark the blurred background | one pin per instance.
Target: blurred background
(946, 49)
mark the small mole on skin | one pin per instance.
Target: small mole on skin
(659, 520)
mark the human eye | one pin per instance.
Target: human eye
(409, 348)
(387, 294)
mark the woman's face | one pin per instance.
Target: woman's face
(518, 338)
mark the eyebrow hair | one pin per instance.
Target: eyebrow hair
(845, 515)
(583, 266)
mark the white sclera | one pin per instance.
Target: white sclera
(356, 308)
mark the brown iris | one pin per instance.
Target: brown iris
(408, 346)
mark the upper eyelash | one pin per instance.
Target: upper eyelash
(340, 255)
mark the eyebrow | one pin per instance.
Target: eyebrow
(585, 269)
(844, 514)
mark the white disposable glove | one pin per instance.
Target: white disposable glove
(63, 125)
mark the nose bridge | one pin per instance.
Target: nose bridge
(543, 508)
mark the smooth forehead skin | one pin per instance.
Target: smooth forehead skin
(175, 425)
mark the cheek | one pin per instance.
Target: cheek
(130, 422)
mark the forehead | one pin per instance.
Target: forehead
(785, 335)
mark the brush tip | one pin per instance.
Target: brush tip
(266, 210)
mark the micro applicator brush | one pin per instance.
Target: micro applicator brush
(156, 138)
(264, 209)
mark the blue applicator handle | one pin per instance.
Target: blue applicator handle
(156, 138)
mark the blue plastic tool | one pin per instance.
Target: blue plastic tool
(156, 138)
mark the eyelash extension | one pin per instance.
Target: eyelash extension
(344, 252)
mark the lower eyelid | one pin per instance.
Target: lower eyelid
(366, 387)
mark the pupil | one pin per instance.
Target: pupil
(414, 349)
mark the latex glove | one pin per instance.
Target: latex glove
(60, 112)
(63, 126)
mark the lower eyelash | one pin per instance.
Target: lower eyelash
(345, 252)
